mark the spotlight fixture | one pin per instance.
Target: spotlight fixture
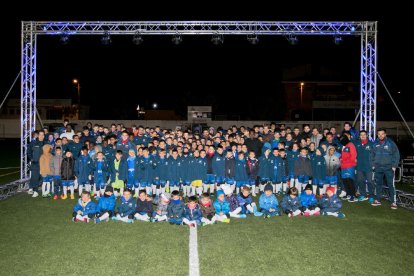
(217, 39)
(253, 39)
(137, 39)
(106, 39)
(337, 40)
(177, 39)
(293, 40)
(64, 38)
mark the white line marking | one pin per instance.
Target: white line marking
(193, 262)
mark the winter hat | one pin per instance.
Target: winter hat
(109, 189)
(219, 193)
(166, 196)
(226, 189)
(268, 187)
(321, 150)
(308, 187)
(332, 189)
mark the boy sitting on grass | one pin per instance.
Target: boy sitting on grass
(207, 210)
(144, 207)
(222, 207)
(268, 202)
(192, 213)
(175, 209)
(126, 208)
(309, 202)
(246, 202)
(162, 202)
(106, 205)
(85, 209)
(291, 203)
(330, 204)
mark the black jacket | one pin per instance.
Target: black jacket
(144, 207)
(67, 170)
(230, 166)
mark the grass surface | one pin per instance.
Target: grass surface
(38, 238)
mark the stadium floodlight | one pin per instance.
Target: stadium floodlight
(177, 39)
(217, 39)
(106, 39)
(137, 39)
(293, 39)
(253, 39)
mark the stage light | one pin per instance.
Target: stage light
(64, 38)
(154, 105)
(137, 39)
(106, 39)
(293, 40)
(177, 39)
(253, 39)
(217, 39)
(337, 40)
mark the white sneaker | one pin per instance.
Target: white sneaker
(30, 192)
(342, 194)
(35, 194)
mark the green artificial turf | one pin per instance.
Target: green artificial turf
(38, 238)
(369, 241)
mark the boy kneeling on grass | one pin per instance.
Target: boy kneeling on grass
(268, 202)
(106, 205)
(192, 213)
(126, 208)
(331, 205)
(85, 209)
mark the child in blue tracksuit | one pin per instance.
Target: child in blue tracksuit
(130, 183)
(192, 212)
(100, 174)
(83, 170)
(106, 205)
(218, 165)
(318, 171)
(246, 202)
(143, 207)
(118, 173)
(330, 204)
(230, 170)
(268, 203)
(309, 202)
(303, 170)
(221, 207)
(198, 172)
(174, 169)
(85, 209)
(291, 157)
(252, 171)
(265, 169)
(291, 203)
(283, 170)
(161, 173)
(175, 209)
(126, 208)
(241, 172)
(146, 169)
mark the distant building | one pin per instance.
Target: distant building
(319, 94)
(48, 109)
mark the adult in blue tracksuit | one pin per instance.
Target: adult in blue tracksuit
(141, 139)
(109, 152)
(218, 165)
(385, 158)
(364, 166)
(33, 155)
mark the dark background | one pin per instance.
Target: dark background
(116, 78)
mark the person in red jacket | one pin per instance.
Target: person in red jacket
(348, 164)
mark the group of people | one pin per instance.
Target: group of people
(157, 164)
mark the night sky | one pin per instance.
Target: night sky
(197, 72)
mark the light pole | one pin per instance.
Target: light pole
(301, 92)
(76, 81)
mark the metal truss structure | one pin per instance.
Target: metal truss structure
(367, 30)
(403, 199)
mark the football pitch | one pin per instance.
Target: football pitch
(39, 238)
